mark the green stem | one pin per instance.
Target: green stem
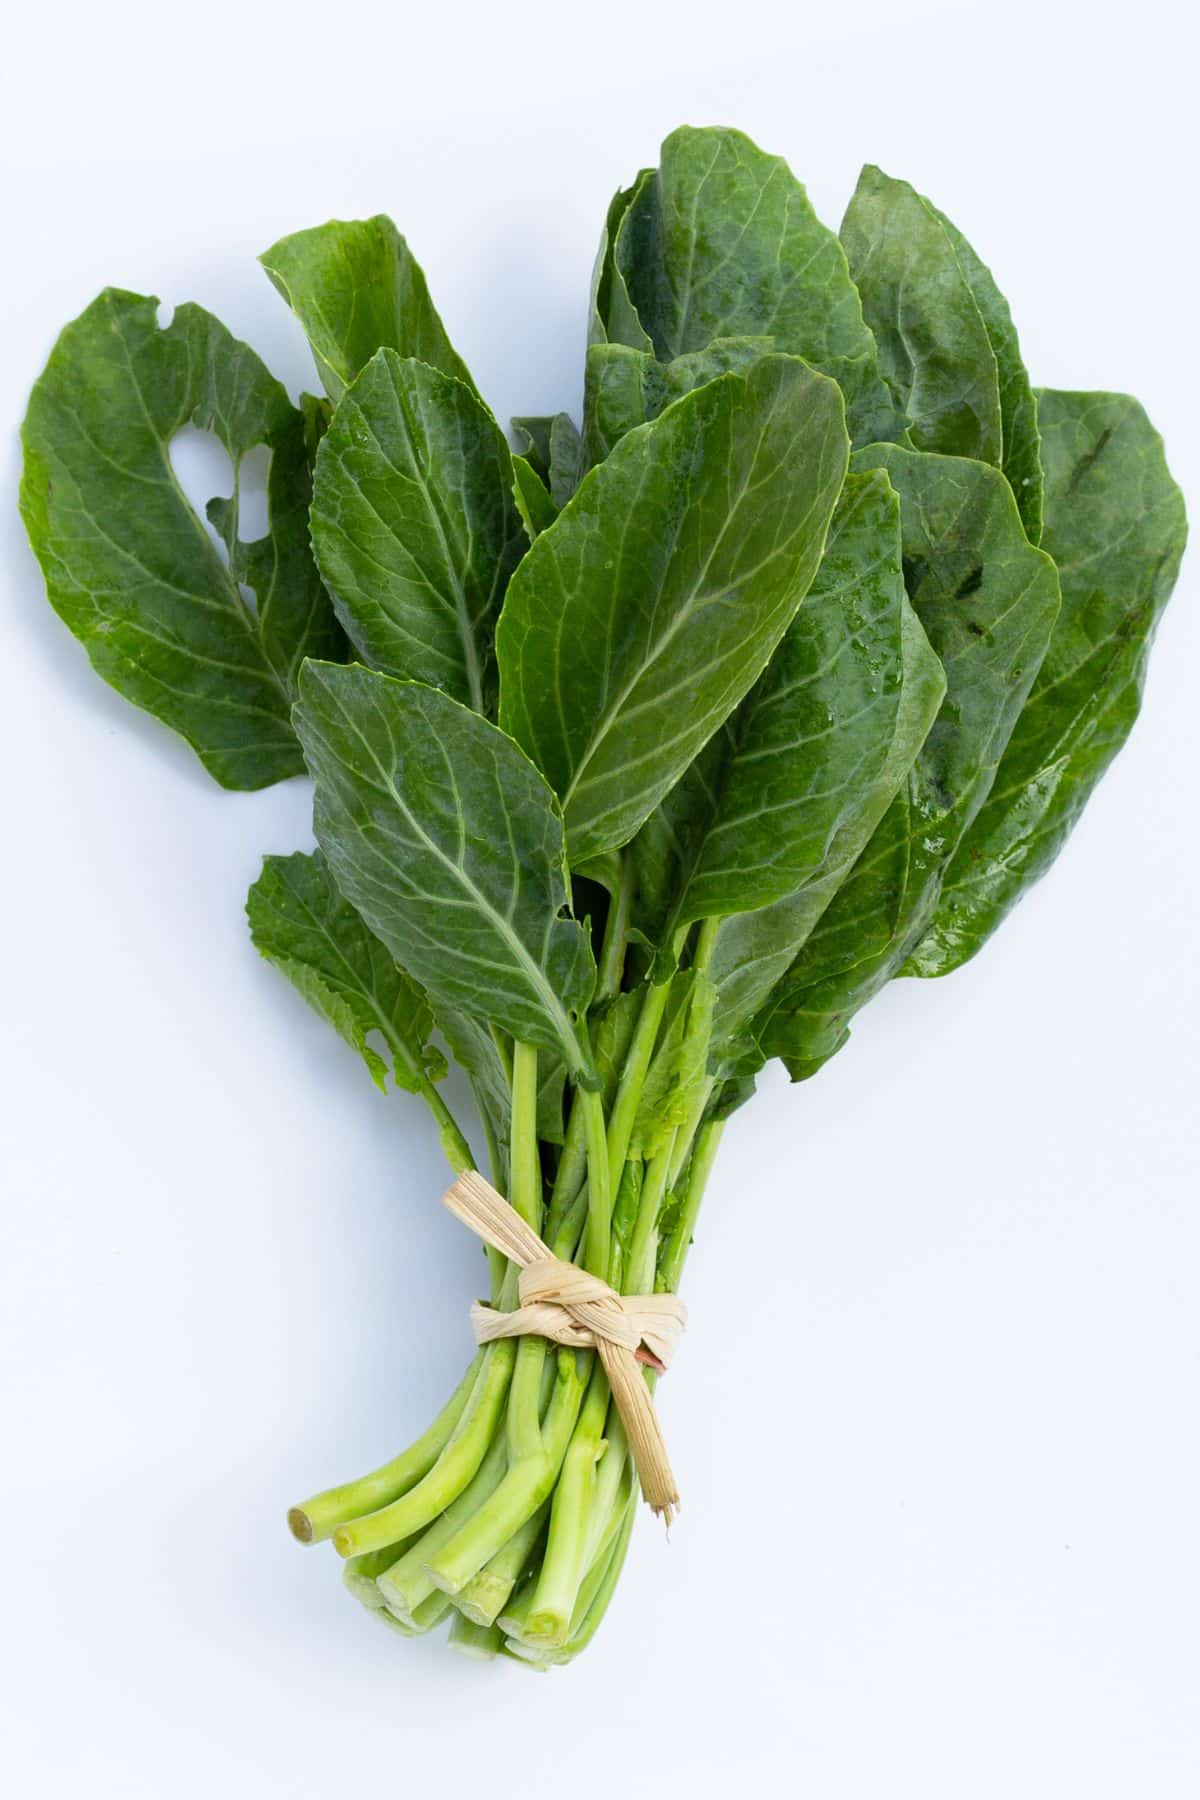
(475, 1640)
(455, 1148)
(527, 1484)
(572, 1168)
(633, 1077)
(639, 1270)
(670, 1267)
(616, 935)
(525, 1176)
(451, 1472)
(320, 1517)
(706, 943)
(601, 1184)
(404, 1586)
(488, 1593)
(563, 1563)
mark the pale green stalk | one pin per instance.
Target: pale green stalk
(406, 1584)
(320, 1517)
(453, 1469)
(523, 1489)
(486, 1594)
(671, 1261)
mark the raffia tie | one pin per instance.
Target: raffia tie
(562, 1302)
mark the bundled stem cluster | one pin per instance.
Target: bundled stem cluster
(513, 1511)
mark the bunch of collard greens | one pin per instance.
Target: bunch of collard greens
(643, 752)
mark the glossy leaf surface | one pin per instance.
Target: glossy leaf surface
(640, 618)
(450, 845)
(933, 346)
(1115, 525)
(987, 601)
(416, 526)
(721, 241)
(132, 570)
(356, 288)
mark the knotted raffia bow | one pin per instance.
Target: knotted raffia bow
(563, 1302)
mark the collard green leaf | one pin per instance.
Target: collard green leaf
(624, 388)
(1021, 457)
(722, 242)
(534, 504)
(450, 844)
(933, 346)
(532, 434)
(754, 950)
(128, 565)
(416, 526)
(551, 445)
(301, 923)
(356, 288)
(987, 601)
(772, 800)
(1115, 526)
(612, 316)
(640, 618)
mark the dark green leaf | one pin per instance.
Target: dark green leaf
(301, 923)
(532, 435)
(566, 459)
(754, 950)
(129, 566)
(987, 601)
(776, 799)
(1115, 525)
(450, 845)
(624, 388)
(415, 525)
(933, 345)
(1021, 457)
(552, 447)
(534, 504)
(722, 242)
(612, 316)
(356, 288)
(641, 617)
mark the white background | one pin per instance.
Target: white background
(942, 1485)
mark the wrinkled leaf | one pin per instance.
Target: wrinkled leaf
(639, 619)
(128, 565)
(1021, 449)
(612, 316)
(933, 346)
(415, 525)
(773, 799)
(722, 242)
(534, 504)
(754, 950)
(301, 923)
(624, 388)
(450, 845)
(1115, 526)
(356, 288)
(987, 601)
(551, 445)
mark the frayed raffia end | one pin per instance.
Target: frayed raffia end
(563, 1302)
